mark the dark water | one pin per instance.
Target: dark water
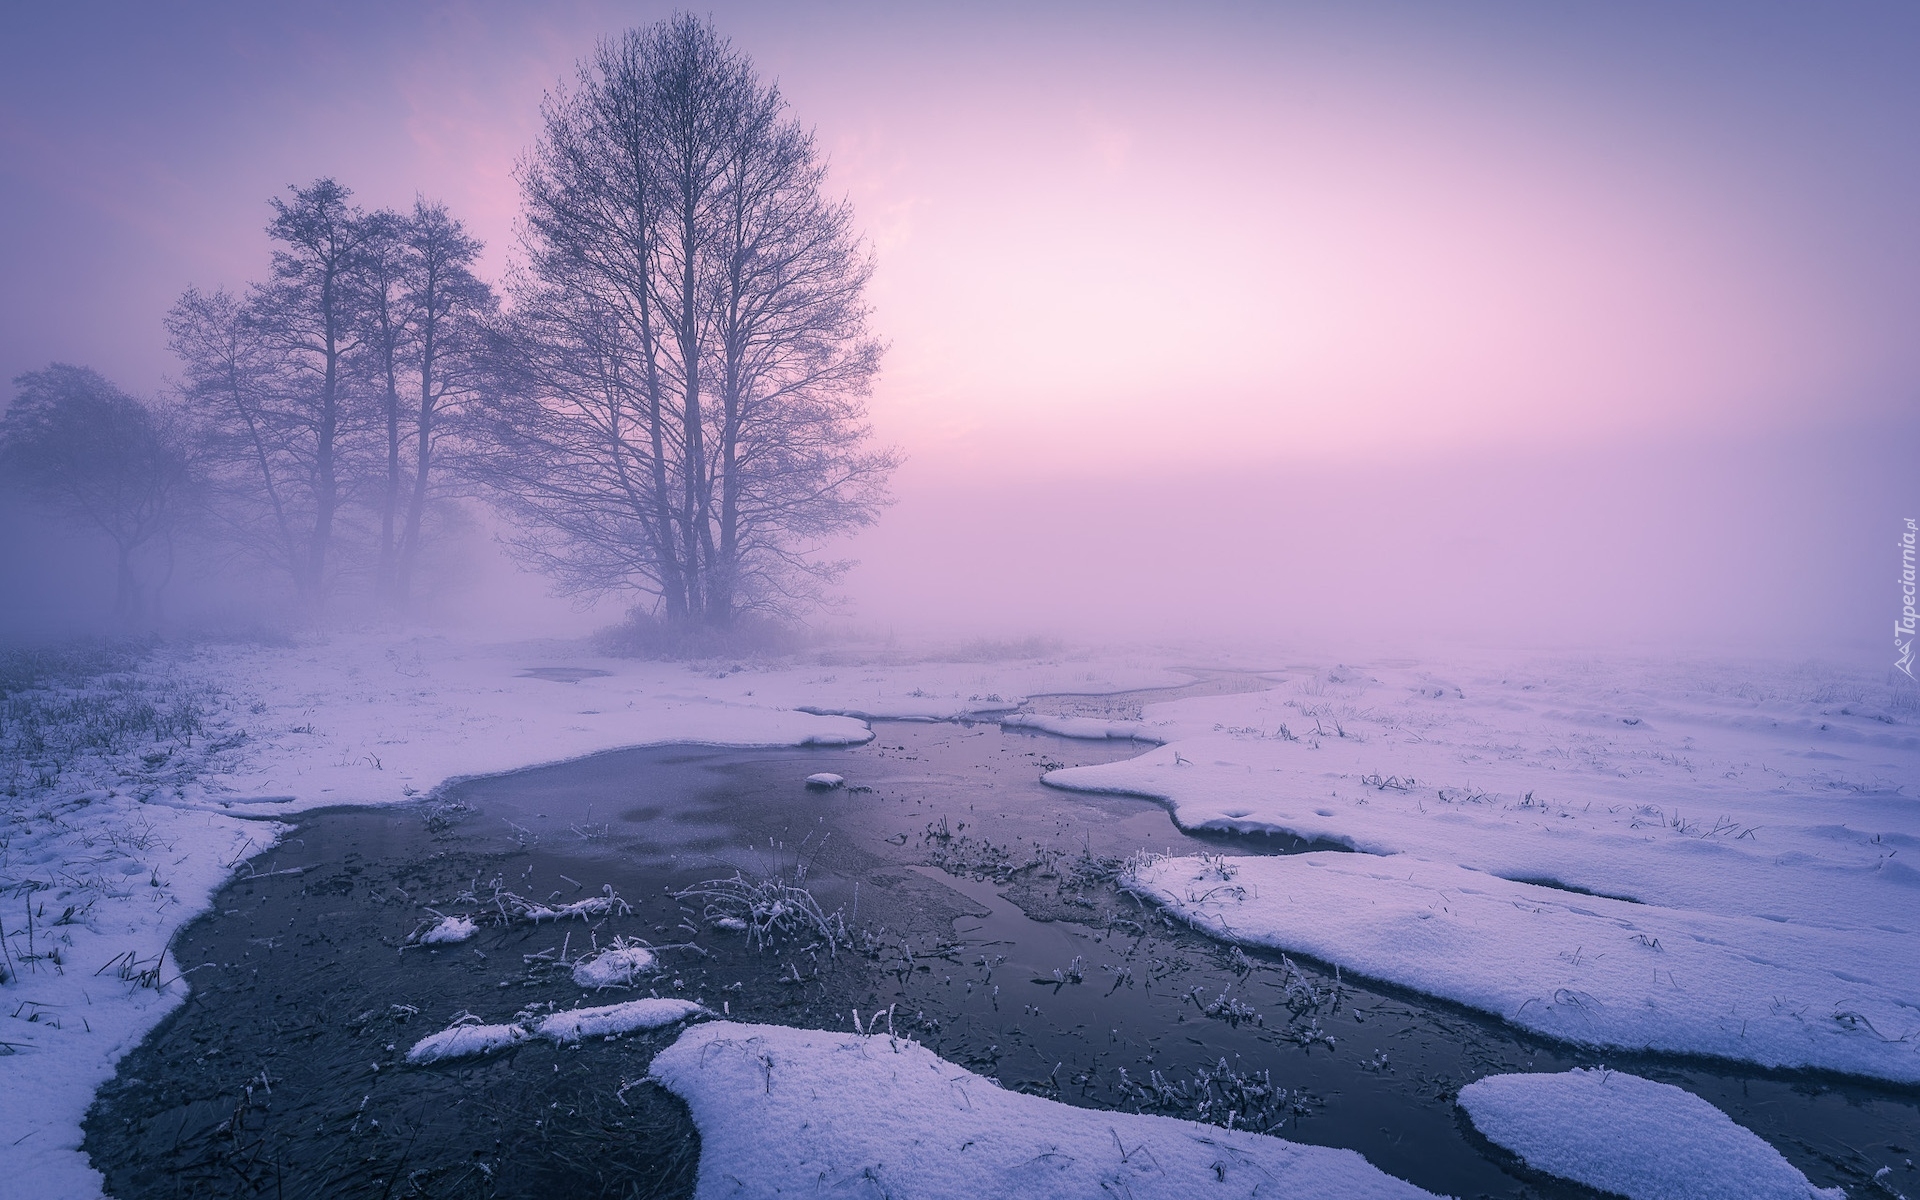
(966, 884)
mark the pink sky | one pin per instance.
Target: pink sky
(1271, 242)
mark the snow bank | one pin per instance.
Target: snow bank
(1088, 728)
(1584, 969)
(617, 966)
(450, 929)
(792, 1110)
(914, 708)
(613, 1019)
(462, 1041)
(826, 780)
(1632, 1137)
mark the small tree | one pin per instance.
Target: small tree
(689, 346)
(99, 459)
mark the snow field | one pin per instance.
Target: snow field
(1631, 1137)
(1760, 814)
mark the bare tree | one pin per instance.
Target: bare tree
(380, 277)
(256, 474)
(306, 317)
(450, 355)
(423, 313)
(269, 385)
(101, 460)
(689, 341)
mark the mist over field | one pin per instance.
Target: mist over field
(1360, 326)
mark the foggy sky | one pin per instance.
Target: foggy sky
(1556, 323)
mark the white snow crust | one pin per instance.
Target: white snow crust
(1584, 969)
(462, 1041)
(611, 1019)
(1632, 1137)
(826, 779)
(795, 1111)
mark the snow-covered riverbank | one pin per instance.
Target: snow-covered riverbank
(1746, 829)
(119, 848)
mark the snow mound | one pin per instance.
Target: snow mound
(826, 780)
(1087, 728)
(617, 966)
(1632, 1137)
(1584, 969)
(463, 1041)
(450, 929)
(785, 1111)
(612, 1019)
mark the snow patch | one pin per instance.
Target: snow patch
(463, 1041)
(826, 781)
(1584, 969)
(786, 1111)
(1632, 1137)
(450, 929)
(612, 1019)
(564, 1028)
(619, 965)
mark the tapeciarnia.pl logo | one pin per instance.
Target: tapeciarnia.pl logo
(1903, 628)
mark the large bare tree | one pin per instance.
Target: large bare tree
(689, 347)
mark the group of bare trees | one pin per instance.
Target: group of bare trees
(671, 403)
(317, 399)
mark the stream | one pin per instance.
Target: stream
(983, 922)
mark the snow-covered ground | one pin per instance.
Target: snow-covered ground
(1763, 825)
(1763, 819)
(799, 1111)
(1631, 1137)
(123, 849)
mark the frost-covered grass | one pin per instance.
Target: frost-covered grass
(619, 965)
(100, 703)
(769, 907)
(1632, 1137)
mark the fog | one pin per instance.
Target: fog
(1361, 325)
